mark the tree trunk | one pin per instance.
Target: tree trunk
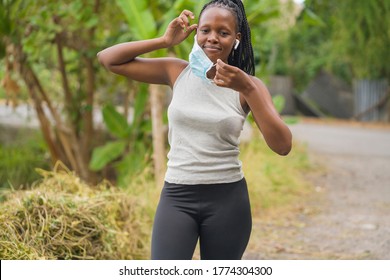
(55, 153)
(156, 100)
(89, 130)
(69, 146)
(32, 86)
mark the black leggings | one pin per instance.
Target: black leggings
(218, 214)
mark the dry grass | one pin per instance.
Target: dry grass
(64, 218)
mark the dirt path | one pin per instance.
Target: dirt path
(348, 215)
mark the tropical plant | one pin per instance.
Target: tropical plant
(130, 148)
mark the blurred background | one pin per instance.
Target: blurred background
(60, 110)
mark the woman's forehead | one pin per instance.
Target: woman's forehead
(218, 15)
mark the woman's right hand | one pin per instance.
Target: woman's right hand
(179, 29)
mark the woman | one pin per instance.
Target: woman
(205, 195)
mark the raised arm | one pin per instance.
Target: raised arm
(123, 59)
(276, 133)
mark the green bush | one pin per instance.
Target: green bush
(20, 158)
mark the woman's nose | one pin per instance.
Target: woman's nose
(212, 38)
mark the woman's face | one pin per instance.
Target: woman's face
(217, 33)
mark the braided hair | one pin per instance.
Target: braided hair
(242, 57)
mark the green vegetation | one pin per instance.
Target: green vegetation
(20, 158)
(361, 37)
(274, 181)
(348, 38)
(129, 152)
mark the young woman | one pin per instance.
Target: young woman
(205, 195)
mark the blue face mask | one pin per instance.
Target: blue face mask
(199, 62)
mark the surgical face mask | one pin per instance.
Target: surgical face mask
(199, 62)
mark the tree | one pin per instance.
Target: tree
(349, 38)
(305, 50)
(361, 37)
(49, 43)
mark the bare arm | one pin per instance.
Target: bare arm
(276, 133)
(123, 59)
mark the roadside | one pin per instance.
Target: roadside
(346, 216)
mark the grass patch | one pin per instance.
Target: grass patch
(20, 157)
(273, 180)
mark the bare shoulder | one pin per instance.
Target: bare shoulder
(257, 80)
(260, 90)
(261, 87)
(175, 67)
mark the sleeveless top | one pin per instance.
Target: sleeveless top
(205, 122)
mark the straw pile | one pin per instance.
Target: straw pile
(64, 218)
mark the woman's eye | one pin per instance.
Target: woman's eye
(204, 31)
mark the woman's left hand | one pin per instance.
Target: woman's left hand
(231, 77)
(276, 133)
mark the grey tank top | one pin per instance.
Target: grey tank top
(205, 122)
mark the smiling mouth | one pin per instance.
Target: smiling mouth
(212, 48)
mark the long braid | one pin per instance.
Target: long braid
(242, 57)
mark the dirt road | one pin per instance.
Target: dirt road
(348, 217)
